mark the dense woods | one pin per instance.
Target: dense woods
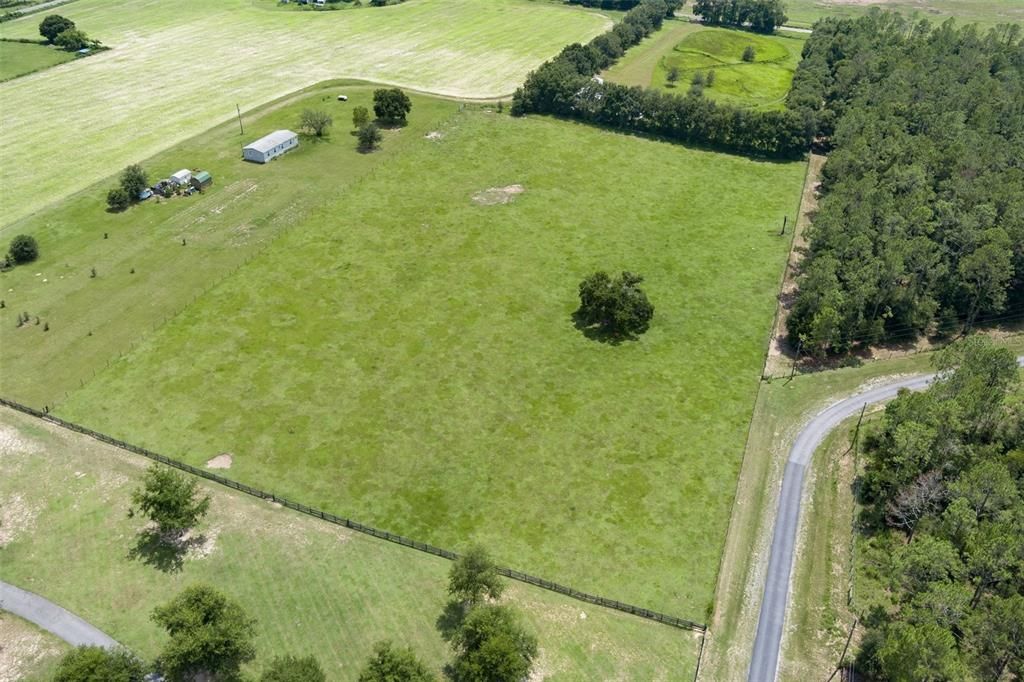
(942, 489)
(760, 15)
(921, 224)
(565, 86)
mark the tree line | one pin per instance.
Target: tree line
(921, 222)
(760, 15)
(565, 86)
(943, 524)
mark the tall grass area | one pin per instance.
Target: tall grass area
(145, 274)
(20, 59)
(314, 588)
(99, 114)
(405, 355)
(691, 49)
(761, 83)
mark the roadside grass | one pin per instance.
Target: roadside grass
(984, 12)
(94, 320)
(27, 654)
(406, 356)
(19, 59)
(97, 115)
(762, 83)
(314, 588)
(782, 408)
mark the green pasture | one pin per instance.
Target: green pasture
(315, 588)
(762, 83)
(144, 274)
(406, 356)
(20, 59)
(175, 70)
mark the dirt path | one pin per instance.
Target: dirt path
(52, 618)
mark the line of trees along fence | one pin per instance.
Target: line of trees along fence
(674, 621)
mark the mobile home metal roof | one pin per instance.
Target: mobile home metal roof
(268, 142)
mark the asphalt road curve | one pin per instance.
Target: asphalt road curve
(765, 662)
(52, 618)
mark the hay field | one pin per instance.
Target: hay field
(176, 69)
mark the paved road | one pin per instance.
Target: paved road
(765, 662)
(51, 617)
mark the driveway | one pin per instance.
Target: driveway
(52, 618)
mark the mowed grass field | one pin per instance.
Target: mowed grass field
(18, 59)
(984, 12)
(314, 588)
(177, 69)
(690, 48)
(144, 275)
(406, 356)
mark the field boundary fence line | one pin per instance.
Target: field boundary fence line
(596, 600)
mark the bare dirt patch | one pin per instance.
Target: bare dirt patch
(222, 461)
(22, 647)
(497, 195)
(17, 516)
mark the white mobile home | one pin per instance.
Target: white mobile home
(181, 177)
(270, 146)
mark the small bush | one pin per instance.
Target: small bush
(698, 79)
(118, 199)
(749, 53)
(96, 663)
(710, 79)
(24, 249)
(369, 137)
(360, 117)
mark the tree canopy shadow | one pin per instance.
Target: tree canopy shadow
(162, 553)
(597, 332)
(451, 619)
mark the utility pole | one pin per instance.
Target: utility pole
(240, 128)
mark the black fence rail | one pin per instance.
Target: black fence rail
(355, 525)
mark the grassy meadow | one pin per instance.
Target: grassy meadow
(135, 100)
(984, 12)
(692, 49)
(19, 59)
(405, 354)
(144, 275)
(314, 588)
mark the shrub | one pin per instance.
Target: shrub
(53, 25)
(492, 646)
(72, 40)
(391, 106)
(96, 664)
(390, 664)
(294, 669)
(118, 199)
(749, 53)
(360, 117)
(673, 75)
(369, 137)
(709, 80)
(24, 249)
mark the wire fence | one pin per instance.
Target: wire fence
(641, 612)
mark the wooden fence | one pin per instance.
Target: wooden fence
(674, 621)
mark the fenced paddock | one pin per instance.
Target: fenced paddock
(596, 600)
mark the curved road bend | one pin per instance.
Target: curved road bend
(52, 618)
(765, 662)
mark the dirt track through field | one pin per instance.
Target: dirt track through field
(175, 72)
